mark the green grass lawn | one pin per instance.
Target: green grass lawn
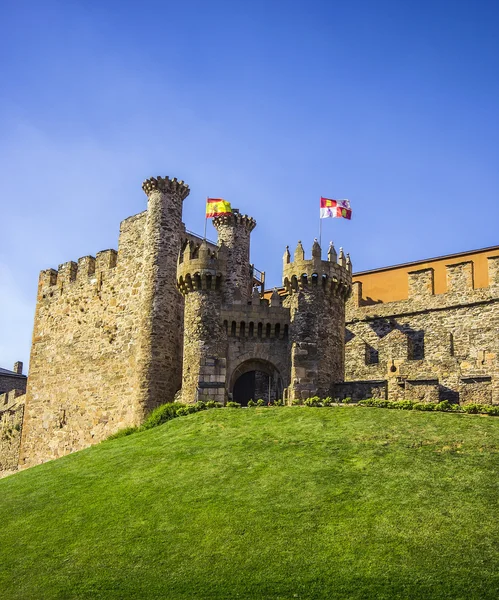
(263, 503)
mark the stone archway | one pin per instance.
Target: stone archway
(256, 379)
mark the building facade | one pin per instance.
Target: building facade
(169, 315)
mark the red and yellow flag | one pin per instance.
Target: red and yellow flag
(335, 209)
(216, 207)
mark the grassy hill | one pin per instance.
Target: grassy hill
(263, 503)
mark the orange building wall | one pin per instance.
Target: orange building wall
(390, 284)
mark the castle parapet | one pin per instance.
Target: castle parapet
(165, 185)
(333, 275)
(421, 283)
(493, 268)
(460, 277)
(86, 269)
(235, 219)
(201, 268)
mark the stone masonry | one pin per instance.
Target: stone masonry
(230, 330)
(428, 347)
(107, 337)
(169, 315)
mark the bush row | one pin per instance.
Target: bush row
(316, 401)
(444, 406)
(261, 402)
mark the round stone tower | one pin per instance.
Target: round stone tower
(199, 276)
(234, 232)
(317, 290)
(160, 339)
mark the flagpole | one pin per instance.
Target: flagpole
(205, 218)
(320, 231)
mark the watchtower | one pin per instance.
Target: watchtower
(161, 331)
(317, 291)
(234, 232)
(200, 276)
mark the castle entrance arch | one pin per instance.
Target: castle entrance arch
(256, 379)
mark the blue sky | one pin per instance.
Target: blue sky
(269, 104)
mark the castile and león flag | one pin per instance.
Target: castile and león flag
(335, 209)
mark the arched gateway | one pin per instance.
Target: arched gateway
(256, 379)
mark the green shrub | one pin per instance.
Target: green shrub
(376, 402)
(367, 402)
(296, 402)
(279, 402)
(251, 403)
(424, 406)
(260, 402)
(403, 404)
(347, 400)
(213, 404)
(472, 409)
(313, 401)
(483, 409)
(233, 405)
(444, 406)
(123, 433)
(328, 401)
(162, 414)
(183, 411)
(200, 405)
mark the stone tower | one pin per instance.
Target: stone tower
(317, 291)
(201, 273)
(107, 336)
(160, 349)
(213, 282)
(234, 232)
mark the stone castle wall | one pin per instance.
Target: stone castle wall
(11, 423)
(82, 381)
(258, 338)
(316, 295)
(429, 347)
(121, 333)
(107, 334)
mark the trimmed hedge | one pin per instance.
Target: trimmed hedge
(444, 406)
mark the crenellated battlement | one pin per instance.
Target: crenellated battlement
(12, 399)
(87, 268)
(235, 219)
(421, 292)
(333, 275)
(201, 268)
(166, 185)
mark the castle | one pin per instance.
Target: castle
(170, 315)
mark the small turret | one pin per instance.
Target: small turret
(317, 291)
(329, 274)
(341, 258)
(275, 298)
(201, 271)
(349, 264)
(287, 256)
(234, 230)
(299, 252)
(316, 249)
(332, 256)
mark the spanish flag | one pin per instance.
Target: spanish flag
(216, 207)
(335, 209)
